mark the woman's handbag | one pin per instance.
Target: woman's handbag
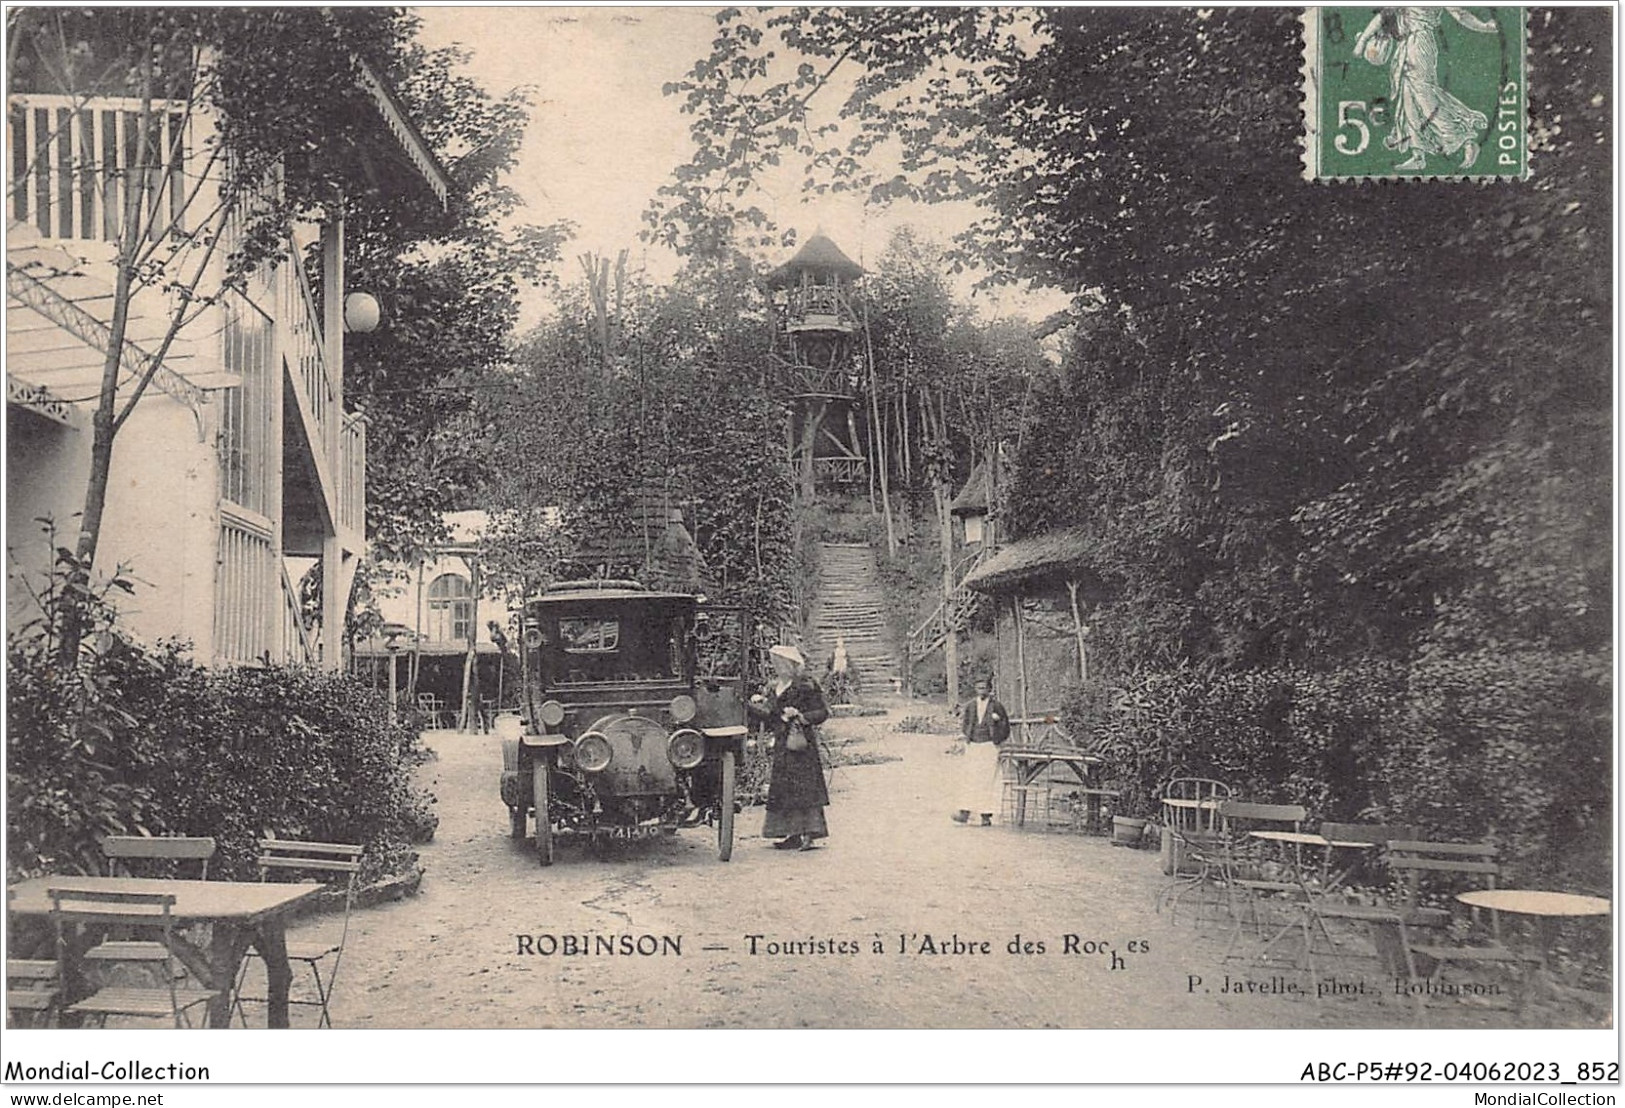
(796, 741)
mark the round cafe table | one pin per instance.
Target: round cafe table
(1536, 902)
(1546, 907)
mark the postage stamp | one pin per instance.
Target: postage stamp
(1435, 93)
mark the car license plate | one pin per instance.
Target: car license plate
(635, 831)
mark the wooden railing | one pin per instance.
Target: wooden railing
(352, 475)
(247, 453)
(840, 471)
(247, 579)
(818, 306)
(933, 630)
(297, 646)
(74, 163)
(302, 345)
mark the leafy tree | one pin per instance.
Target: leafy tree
(677, 404)
(450, 281)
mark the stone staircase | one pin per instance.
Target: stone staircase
(848, 607)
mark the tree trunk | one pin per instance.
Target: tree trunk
(102, 421)
(950, 639)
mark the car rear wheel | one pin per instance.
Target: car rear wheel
(544, 827)
(725, 815)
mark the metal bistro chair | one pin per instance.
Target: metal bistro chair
(144, 913)
(127, 854)
(432, 708)
(1191, 812)
(291, 857)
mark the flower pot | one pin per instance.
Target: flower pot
(1170, 852)
(1126, 830)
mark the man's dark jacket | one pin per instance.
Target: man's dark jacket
(995, 725)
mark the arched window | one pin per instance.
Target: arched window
(451, 609)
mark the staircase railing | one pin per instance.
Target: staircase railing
(951, 612)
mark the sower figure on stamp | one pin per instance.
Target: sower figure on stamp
(986, 726)
(796, 794)
(1427, 119)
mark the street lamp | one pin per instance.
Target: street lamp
(392, 643)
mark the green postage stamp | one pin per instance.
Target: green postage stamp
(1415, 92)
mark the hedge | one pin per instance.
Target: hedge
(1504, 746)
(135, 739)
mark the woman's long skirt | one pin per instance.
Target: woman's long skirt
(796, 793)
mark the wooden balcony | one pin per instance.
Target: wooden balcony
(74, 162)
(819, 308)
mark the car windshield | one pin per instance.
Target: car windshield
(589, 635)
(615, 642)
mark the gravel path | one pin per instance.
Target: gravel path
(486, 942)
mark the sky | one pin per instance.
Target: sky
(603, 138)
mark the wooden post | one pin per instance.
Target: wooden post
(1077, 630)
(471, 683)
(333, 593)
(1021, 666)
(417, 640)
(950, 637)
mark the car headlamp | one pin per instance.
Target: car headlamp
(593, 752)
(686, 748)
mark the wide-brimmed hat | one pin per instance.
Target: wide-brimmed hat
(789, 654)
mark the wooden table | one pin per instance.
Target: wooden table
(240, 915)
(1028, 763)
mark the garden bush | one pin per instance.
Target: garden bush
(130, 739)
(1508, 747)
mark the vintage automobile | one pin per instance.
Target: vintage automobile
(633, 722)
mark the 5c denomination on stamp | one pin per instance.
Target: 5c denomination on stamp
(1436, 93)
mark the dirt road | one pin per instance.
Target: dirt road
(903, 919)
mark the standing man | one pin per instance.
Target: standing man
(986, 725)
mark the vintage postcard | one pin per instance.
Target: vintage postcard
(530, 523)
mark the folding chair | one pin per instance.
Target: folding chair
(143, 913)
(1458, 863)
(431, 706)
(33, 985)
(1247, 874)
(1367, 873)
(151, 853)
(289, 857)
(33, 991)
(829, 753)
(119, 850)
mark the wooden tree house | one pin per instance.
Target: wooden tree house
(820, 365)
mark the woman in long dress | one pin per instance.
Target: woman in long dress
(1427, 119)
(796, 794)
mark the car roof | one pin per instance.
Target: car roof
(572, 591)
